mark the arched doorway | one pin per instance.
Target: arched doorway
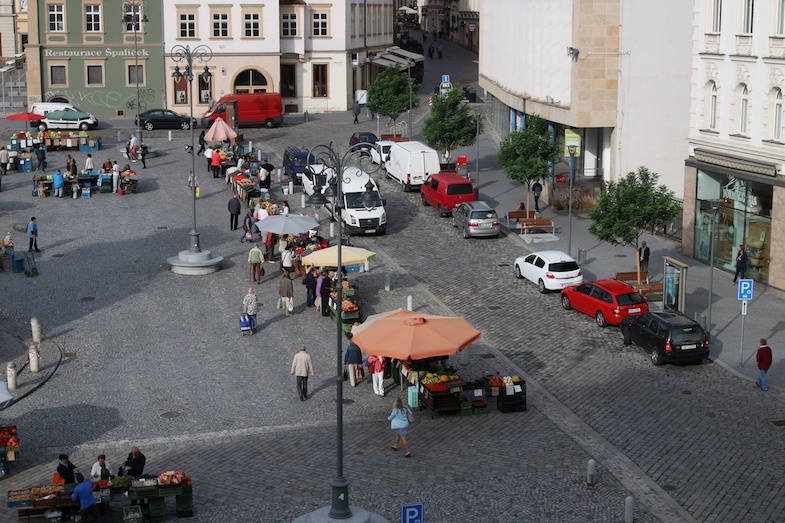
(250, 81)
(60, 99)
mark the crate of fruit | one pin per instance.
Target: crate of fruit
(20, 498)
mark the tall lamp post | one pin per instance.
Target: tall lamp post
(715, 206)
(135, 15)
(478, 114)
(409, 63)
(332, 159)
(572, 149)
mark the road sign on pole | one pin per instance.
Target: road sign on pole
(745, 290)
(413, 513)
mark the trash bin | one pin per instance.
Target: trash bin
(471, 95)
(19, 265)
(581, 255)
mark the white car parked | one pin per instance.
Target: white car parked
(550, 270)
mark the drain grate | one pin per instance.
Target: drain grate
(686, 392)
(504, 265)
(621, 255)
(170, 414)
(58, 255)
(87, 298)
(778, 423)
(69, 355)
(487, 356)
(494, 307)
(163, 227)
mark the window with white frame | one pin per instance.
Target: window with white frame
(220, 25)
(713, 99)
(95, 75)
(252, 25)
(777, 131)
(92, 18)
(747, 16)
(132, 18)
(58, 76)
(744, 109)
(56, 16)
(716, 16)
(320, 27)
(288, 24)
(187, 25)
(780, 29)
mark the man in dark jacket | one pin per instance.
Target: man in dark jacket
(354, 362)
(134, 464)
(763, 357)
(310, 285)
(234, 212)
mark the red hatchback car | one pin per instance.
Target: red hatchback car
(608, 301)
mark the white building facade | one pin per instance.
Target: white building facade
(592, 69)
(734, 188)
(313, 53)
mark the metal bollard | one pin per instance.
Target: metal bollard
(409, 303)
(332, 230)
(32, 357)
(367, 266)
(591, 472)
(387, 282)
(170, 136)
(305, 115)
(10, 375)
(291, 187)
(628, 501)
(259, 159)
(119, 138)
(250, 146)
(302, 200)
(36, 328)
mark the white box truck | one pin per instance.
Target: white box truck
(358, 217)
(410, 163)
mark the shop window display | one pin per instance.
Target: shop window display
(744, 217)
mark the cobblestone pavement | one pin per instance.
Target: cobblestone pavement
(159, 362)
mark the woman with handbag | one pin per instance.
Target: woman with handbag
(376, 368)
(354, 362)
(399, 422)
(286, 292)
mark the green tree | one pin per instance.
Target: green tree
(388, 95)
(526, 155)
(631, 206)
(451, 124)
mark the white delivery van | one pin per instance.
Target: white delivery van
(380, 151)
(358, 217)
(315, 177)
(44, 108)
(410, 163)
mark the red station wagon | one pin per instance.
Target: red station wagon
(607, 301)
(445, 191)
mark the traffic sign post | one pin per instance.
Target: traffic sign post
(413, 513)
(745, 295)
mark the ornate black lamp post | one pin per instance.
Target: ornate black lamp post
(134, 17)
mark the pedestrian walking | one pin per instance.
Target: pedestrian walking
(235, 208)
(247, 228)
(310, 287)
(354, 362)
(134, 147)
(269, 249)
(643, 256)
(376, 368)
(88, 163)
(215, 164)
(741, 264)
(439, 51)
(4, 158)
(302, 367)
(763, 357)
(143, 150)
(324, 292)
(399, 422)
(286, 292)
(536, 191)
(32, 235)
(251, 307)
(430, 51)
(356, 111)
(202, 142)
(286, 258)
(255, 259)
(40, 155)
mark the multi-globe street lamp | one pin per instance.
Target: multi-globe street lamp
(187, 56)
(135, 15)
(572, 148)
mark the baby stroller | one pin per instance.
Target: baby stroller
(245, 324)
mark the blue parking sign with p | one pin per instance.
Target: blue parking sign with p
(412, 513)
(745, 290)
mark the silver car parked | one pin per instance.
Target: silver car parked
(476, 219)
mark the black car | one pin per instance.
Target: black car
(164, 119)
(369, 138)
(668, 336)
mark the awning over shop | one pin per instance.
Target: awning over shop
(395, 55)
(469, 15)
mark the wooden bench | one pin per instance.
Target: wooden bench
(650, 290)
(519, 215)
(632, 277)
(528, 225)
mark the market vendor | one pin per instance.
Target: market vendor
(83, 493)
(66, 469)
(101, 469)
(106, 167)
(133, 465)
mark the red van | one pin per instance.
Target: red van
(445, 191)
(251, 110)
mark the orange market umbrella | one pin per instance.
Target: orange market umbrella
(219, 132)
(408, 335)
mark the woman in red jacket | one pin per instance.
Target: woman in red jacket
(215, 164)
(376, 368)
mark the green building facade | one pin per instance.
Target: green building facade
(94, 54)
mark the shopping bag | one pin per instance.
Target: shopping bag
(280, 303)
(345, 374)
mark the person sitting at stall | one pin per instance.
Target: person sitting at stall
(227, 146)
(133, 465)
(106, 167)
(7, 241)
(66, 469)
(58, 182)
(101, 469)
